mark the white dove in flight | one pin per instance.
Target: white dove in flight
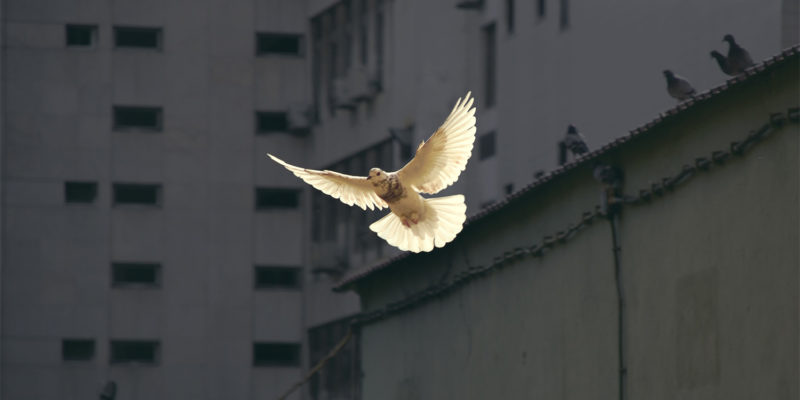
(415, 223)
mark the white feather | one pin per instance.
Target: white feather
(443, 219)
(440, 160)
(351, 190)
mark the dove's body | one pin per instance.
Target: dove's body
(406, 204)
(415, 223)
(410, 209)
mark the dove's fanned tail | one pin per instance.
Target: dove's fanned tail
(443, 219)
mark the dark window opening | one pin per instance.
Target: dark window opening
(278, 43)
(347, 34)
(564, 15)
(81, 35)
(487, 145)
(268, 198)
(333, 57)
(316, 64)
(276, 354)
(77, 349)
(140, 38)
(540, 8)
(362, 32)
(510, 16)
(144, 118)
(135, 274)
(489, 69)
(332, 218)
(270, 277)
(80, 192)
(316, 216)
(138, 351)
(136, 193)
(405, 152)
(272, 121)
(379, 20)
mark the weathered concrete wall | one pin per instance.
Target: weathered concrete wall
(710, 273)
(55, 276)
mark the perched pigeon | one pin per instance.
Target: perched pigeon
(723, 63)
(575, 142)
(738, 58)
(678, 87)
(415, 223)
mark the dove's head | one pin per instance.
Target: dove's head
(376, 175)
(668, 74)
(728, 38)
(572, 129)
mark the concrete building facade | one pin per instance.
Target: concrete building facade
(144, 242)
(705, 246)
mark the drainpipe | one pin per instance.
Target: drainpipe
(612, 178)
(613, 219)
(611, 204)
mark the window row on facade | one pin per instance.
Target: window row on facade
(151, 194)
(346, 48)
(144, 37)
(127, 118)
(148, 352)
(149, 275)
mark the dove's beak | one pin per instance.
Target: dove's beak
(369, 177)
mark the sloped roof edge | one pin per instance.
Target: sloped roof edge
(757, 70)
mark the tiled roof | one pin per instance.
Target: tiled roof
(758, 69)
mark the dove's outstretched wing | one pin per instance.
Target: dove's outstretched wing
(351, 190)
(441, 159)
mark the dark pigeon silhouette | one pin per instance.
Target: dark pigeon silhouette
(723, 63)
(678, 87)
(575, 142)
(738, 58)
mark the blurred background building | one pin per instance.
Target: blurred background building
(146, 238)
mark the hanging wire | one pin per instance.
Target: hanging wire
(320, 364)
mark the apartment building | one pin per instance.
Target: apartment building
(144, 243)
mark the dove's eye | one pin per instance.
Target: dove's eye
(378, 173)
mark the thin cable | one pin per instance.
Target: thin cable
(320, 364)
